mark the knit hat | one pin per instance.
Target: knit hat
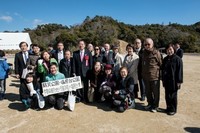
(108, 67)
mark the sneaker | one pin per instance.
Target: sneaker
(154, 110)
(147, 107)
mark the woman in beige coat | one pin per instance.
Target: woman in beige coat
(131, 61)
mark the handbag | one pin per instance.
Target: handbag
(91, 94)
(24, 73)
(71, 101)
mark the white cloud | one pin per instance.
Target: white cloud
(37, 22)
(17, 14)
(6, 18)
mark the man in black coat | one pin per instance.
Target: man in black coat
(139, 52)
(178, 50)
(21, 60)
(107, 55)
(59, 53)
(82, 63)
(65, 65)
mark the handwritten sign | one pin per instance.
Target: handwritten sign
(62, 85)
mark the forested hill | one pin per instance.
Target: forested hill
(102, 29)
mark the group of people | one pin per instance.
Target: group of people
(114, 79)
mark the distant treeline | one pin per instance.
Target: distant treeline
(103, 29)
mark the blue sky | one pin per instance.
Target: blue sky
(20, 14)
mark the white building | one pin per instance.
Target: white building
(10, 41)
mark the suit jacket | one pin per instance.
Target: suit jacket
(179, 52)
(66, 68)
(19, 63)
(108, 59)
(140, 52)
(81, 68)
(99, 58)
(55, 55)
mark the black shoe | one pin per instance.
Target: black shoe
(36, 109)
(78, 99)
(112, 106)
(1, 99)
(171, 113)
(148, 107)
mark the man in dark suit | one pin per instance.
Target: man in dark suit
(21, 60)
(139, 51)
(107, 55)
(50, 49)
(65, 65)
(59, 53)
(82, 63)
(178, 50)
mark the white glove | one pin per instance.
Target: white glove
(40, 61)
(32, 92)
(31, 89)
(74, 74)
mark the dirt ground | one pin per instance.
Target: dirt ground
(101, 119)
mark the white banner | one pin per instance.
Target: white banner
(62, 85)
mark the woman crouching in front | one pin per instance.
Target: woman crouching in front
(124, 95)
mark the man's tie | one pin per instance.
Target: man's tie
(60, 56)
(82, 56)
(68, 63)
(25, 57)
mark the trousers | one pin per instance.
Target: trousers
(152, 89)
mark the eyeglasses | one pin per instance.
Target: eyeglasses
(96, 49)
(147, 44)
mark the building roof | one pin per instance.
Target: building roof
(10, 41)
